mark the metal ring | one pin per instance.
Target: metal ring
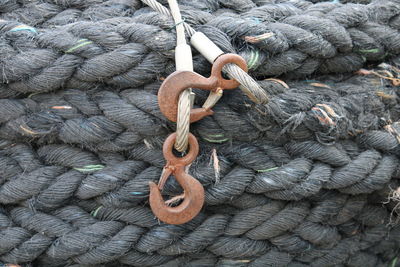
(180, 161)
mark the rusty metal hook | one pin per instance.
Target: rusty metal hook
(168, 97)
(193, 190)
(174, 84)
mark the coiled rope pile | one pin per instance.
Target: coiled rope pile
(310, 178)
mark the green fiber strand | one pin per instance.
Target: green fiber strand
(94, 212)
(90, 168)
(78, 46)
(216, 135)
(394, 262)
(367, 51)
(268, 170)
(216, 140)
(253, 59)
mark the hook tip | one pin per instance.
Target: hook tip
(152, 186)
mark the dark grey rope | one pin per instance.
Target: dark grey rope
(308, 179)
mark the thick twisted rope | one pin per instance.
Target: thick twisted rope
(343, 46)
(50, 9)
(108, 121)
(99, 122)
(343, 40)
(57, 233)
(309, 179)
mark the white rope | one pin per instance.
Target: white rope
(176, 15)
(183, 61)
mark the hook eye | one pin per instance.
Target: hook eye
(180, 161)
(220, 62)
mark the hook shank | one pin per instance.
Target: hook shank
(177, 82)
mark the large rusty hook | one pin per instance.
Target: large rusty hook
(193, 190)
(174, 84)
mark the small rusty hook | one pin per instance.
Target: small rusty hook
(193, 190)
(174, 84)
